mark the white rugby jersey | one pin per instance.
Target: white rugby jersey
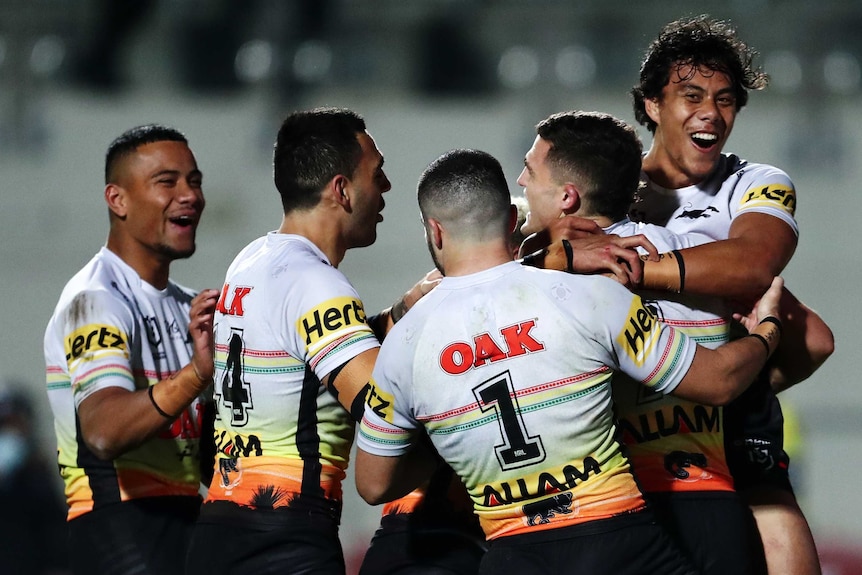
(509, 372)
(734, 188)
(112, 329)
(674, 444)
(285, 319)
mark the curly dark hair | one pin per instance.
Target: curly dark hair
(702, 43)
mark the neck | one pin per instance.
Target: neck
(153, 268)
(474, 258)
(320, 229)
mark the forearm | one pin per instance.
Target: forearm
(115, 420)
(717, 376)
(383, 479)
(807, 343)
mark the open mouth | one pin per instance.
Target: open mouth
(183, 221)
(704, 139)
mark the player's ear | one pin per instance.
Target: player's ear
(116, 198)
(571, 200)
(652, 108)
(435, 228)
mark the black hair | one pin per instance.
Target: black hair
(701, 43)
(132, 139)
(467, 187)
(312, 147)
(601, 153)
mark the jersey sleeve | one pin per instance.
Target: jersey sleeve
(647, 350)
(388, 427)
(96, 334)
(331, 326)
(768, 190)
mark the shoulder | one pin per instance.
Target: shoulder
(753, 173)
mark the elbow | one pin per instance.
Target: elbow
(824, 347)
(102, 447)
(369, 492)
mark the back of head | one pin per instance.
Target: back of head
(312, 147)
(467, 192)
(130, 140)
(701, 42)
(600, 154)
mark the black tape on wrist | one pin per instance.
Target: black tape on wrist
(774, 320)
(567, 247)
(681, 263)
(762, 340)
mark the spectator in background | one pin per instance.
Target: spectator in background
(33, 533)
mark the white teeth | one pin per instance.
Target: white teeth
(705, 136)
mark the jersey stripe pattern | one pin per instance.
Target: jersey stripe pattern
(674, 445)
(285, 319)
(112, 329)
(509, 371)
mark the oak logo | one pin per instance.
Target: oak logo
(640, 332)
(330, 317)
(776, 196)
(230, 303)
(458, 357)
(93, 337)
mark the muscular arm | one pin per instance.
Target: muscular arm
(717, 376)
(381, 479)
(579, 245)
(115, 420)
(805, 344)
(741, 267)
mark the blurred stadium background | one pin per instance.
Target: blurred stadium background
(428, 75)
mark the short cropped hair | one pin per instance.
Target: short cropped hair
(467, 190)
(598, 152)
(312, 147)
(703, 43)
(130, 140)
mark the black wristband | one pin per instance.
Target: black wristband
(162, 412)
(570, 255)
(532, 259)
(774, 320)
(681, 263)
(762, 340)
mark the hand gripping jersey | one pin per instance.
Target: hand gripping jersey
(112, 329)
(734, 188)
(674, 444)
(285, 319)
(509, 371)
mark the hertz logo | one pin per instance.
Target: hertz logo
(91, 337)
(776, 196)
(640, 332)
(331, 317)
(379, 402)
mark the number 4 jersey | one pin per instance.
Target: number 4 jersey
(509, 371)
(285, 319)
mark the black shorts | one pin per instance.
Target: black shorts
(144, 536)
(754, 439)
(631, 544)
(716, 529)
(399, 547)
(234, 540)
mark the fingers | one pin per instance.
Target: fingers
(637, 241)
